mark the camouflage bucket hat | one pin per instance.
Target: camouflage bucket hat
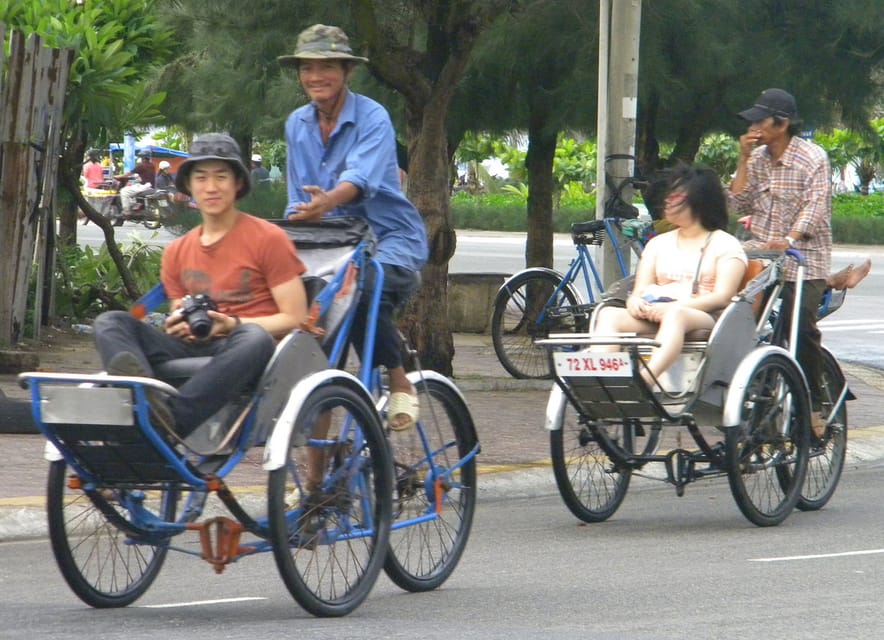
(321, 42)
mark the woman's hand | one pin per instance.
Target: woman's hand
(638, 307)
(657, 310)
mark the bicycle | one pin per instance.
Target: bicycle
(538, 301)
(120, 490)
(742, 378)
(435, 462)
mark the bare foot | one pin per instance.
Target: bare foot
(838, 280)
(856, 275)
(849, 276)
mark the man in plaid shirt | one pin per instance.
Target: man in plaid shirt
(783, 182)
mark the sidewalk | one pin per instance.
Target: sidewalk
(508, 414)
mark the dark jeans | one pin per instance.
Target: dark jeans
(238, 360)
(809, 349)
(399, 285)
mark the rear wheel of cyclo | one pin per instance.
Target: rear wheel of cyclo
(590, 483)
(827, 454)
(429, 482)
(767, 452)
(525, 312)
(329, 543)
(96, 545)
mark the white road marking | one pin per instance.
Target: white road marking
(197, 603)
(819, 555)
(830, 323)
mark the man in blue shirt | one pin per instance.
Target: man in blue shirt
(341, 160)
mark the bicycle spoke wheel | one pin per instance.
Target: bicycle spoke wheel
(330, 505)
(591, 484)
(435, 490)
(97, 546)
(767, 452)
(527, 309)
(827, 454)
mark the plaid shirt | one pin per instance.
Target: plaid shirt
(792, 194)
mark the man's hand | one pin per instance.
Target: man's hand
(776, 245)
(320, 204)
(748, 142)
(222, 324)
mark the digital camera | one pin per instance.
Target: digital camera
(195, 310)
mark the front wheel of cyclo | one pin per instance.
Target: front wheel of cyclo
(103, 555)
(435, 497)
(767, 451)
(330, 526)
(527, 308)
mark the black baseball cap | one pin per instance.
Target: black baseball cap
(213, 146)
(772, 102)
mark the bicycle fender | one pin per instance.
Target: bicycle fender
(733, 404)
(414, 377)
(51, 452)
(504, 288)
(555, 408)
(276, 449)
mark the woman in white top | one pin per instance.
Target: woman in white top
(685, 276)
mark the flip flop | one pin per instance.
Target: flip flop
(402, 404)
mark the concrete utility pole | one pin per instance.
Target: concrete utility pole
(619, 29)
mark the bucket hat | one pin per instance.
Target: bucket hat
(213, 146)
(321, 42)
(772, 102)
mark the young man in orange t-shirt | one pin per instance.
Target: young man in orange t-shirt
(249, 269)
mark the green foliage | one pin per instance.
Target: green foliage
(115, 42)
(506, 211)
(172, 138)
(272, 151)
(265, 203)
(856, 219)
(720, 151)
(851, 206)
(88, 281)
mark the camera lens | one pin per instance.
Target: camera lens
(200, 323)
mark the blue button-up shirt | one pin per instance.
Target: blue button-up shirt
(361, 150)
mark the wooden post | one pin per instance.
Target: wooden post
(31, 101)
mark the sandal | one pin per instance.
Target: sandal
(402, 411)
(817, 425)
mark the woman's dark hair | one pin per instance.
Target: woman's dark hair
(704, 194)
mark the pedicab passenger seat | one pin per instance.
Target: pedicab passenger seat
(321, 246)
(696, 383)
(325, 247)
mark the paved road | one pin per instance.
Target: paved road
(662, 568)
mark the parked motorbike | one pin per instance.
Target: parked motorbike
(151, 208)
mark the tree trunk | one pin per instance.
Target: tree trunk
(539, 163)
(425, 320)
(107, 228)
(69, 170)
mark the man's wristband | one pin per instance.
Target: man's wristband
(791, 241)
